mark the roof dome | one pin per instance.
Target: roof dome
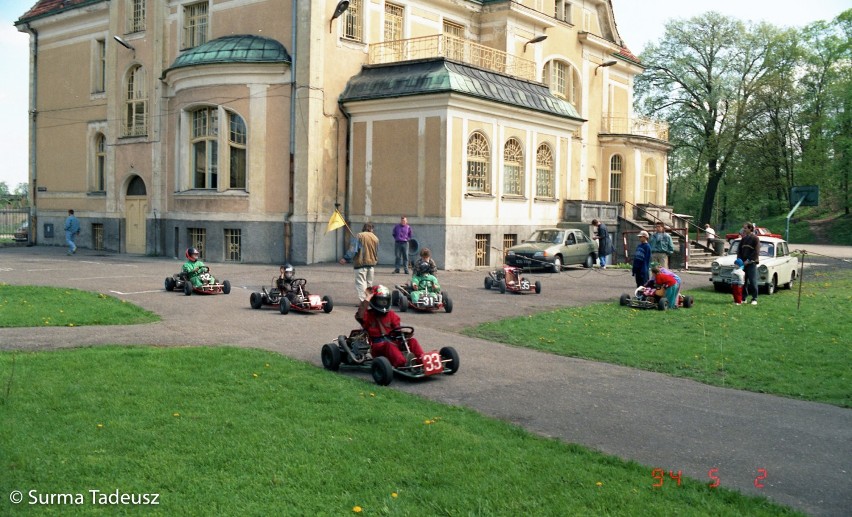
(242, 48)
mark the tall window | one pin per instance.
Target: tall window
(352, 25)
(237, 150)
(136, 16)
(205, 148)
(99, 67)
(393, 22)
(562, 11)
(136, 103)
(478, 164)
(649, 182)
(195, 25)
(564, 81)
(513, 168)
(454, 40)
(544, 177)
(100, 162)
(615, 170)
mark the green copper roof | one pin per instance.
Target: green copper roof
(438, 75)
(242, 48)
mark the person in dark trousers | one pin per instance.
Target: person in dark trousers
(604, 246)
(72, 230)
(749, 253)
(662, 246)
(402, 233)
(642, 260)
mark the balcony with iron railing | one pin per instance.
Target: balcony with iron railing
(624, 125)
(456, 49)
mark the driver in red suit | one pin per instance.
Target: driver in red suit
(377, 319)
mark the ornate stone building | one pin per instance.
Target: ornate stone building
(239, 126)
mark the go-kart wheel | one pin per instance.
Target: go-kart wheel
(170, 284)
(502, 287)
(402, 303)
(662, 304)
(537, 287)
(624, 300)
(448, 302)
(284, 305)
(450, 355)
(187, 288)
(382, 371)
(688, 301)
(395, 297)
(330, 357)
(327, 304)
(256, 300)
(226, 287)
(489, 282)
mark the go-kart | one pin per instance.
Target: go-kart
(209, 285)
(298, 299)
(421, 294)
(509, 279)
(354, 352)
(645, 297)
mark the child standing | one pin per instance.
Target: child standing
(642, 260)
(737, 281)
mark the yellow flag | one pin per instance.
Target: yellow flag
(335, 222)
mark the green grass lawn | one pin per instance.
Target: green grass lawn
(33, 306)
(224, 431)
(769, 348)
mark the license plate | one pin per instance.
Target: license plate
(522, 262)
(432, 363)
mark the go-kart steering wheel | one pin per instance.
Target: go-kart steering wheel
(400, 332)
(298, 282)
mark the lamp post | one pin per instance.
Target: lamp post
(537, 39)
(605, 64)
(341, 8)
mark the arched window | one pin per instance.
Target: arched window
(100, 163)
(563, 81)
(478, 164)
(513, 168)
(136, 103)
(649, 182)
(237, 150)
(205, 148)
(544, 178)
(615, 171)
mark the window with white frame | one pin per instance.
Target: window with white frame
(205, 148)
(478, 164)
(393, 22)
(237, 151)
(544, 177)
(353, 26)
(616, 168)
(649, 182)
(136, 103)
(99, 67)
(513, 168)
(454, 40)
(563, 81)
(212, 146)
(195, 22)
(100, 163)
(562, 11)
(135, 16)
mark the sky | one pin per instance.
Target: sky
(639, 22)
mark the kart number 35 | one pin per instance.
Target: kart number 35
(432, 363)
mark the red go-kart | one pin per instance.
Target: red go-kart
(209, 284)
(354, 352)
(510, 279)
(299, 299)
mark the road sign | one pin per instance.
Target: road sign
(808, 194)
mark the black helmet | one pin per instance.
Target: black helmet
(423, 268)
(289, 271)
(192, 254)
(381, 299)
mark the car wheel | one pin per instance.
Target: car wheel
(556, 267)
(772, 286)
(328, 304)
(489, 282)
(502, 287)
(719, 287)
(662, 304)
(284, 305)
(590, 261)
(688, 301)
(448, 302)
(382, 371)
(537, 287)
(330, 357)
(187, 288)
(789, 285)
(170, 284)
(256, 300)
(624, 300)
(226, 287)
(450, 355)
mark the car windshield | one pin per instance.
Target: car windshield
(767, 249)
(549, 236)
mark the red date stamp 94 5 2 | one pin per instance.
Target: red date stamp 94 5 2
(660, 476)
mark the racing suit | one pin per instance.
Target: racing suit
(377, 326)
(193, 272)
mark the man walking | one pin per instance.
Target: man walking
(364, 254)
(402, 233)
(604, 246)
(749, 252)
(72, 230)
(662, 246)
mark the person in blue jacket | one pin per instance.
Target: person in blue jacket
(72, 230)
(642, 260)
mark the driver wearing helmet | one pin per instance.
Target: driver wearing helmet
(284, 282)
(424, 275)
(378, 319)
(193, 267)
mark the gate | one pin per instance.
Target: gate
(10, 220)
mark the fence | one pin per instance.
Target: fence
(10, 220)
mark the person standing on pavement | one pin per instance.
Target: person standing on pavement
(604, 246)
(363, 254)
(72, 230)
(642, 260)
(662, 246)
(709, 234)
(749, 252)
(402, 233)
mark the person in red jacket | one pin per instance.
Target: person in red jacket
(667, 284)
(376, 317)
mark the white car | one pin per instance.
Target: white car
(776, 266)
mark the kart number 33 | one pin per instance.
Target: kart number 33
(432, 363)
